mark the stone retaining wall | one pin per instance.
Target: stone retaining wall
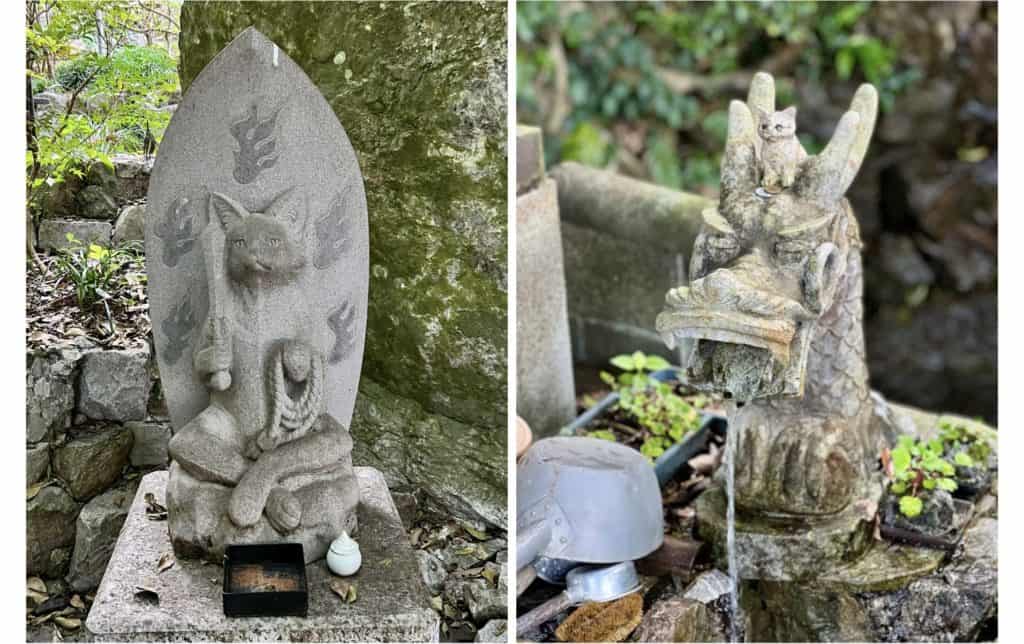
(104, 206)
(94, 423)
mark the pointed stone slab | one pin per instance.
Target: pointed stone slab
(254, 128)
(392, 604)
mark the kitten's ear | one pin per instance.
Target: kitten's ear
(228, 211)
(762, 116)
(790, 111)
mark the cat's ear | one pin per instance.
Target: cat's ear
(762, 116)
(227, 211)
(790, 111)
(286, 206)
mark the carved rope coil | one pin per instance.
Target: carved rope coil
(292, 418)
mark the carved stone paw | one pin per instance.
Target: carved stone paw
(802, 468)
(283, 510)
(297, 358)
(249, 497)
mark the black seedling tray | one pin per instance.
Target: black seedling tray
(265, 580)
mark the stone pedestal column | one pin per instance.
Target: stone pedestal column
(545, 394)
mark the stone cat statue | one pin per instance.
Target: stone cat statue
(781, 151)
(263, 460)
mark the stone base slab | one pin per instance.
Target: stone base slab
(392, 603)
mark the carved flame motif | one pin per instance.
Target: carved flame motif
(341, 322)
(176, 232)
(331, 234)
(256, 145)
(177, 328)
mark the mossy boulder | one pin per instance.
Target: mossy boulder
(420, 91)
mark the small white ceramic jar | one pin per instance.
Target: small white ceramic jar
(344, 557)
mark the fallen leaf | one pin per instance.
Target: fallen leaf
(436, 603)
(166, 562)
(70, 623)
(36, 597)
(33, 490)
(36, 584)
(489, 574)
(42, 619)
(147, 595)
(479, 535)
(77, 602)
(384, 563)
(343, 589)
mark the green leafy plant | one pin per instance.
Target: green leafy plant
(916, 468)
(92, 269)
(662, 415)
(970, 443)
(74, 73)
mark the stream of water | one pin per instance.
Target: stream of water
(730, 517)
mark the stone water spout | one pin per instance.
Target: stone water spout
(773, 315)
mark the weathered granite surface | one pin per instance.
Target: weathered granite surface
(392, 605)
(421, 90)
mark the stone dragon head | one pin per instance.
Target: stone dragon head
(766, 268)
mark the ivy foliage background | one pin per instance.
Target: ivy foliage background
(644, 87)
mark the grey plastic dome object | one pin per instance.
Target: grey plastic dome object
(586, 500)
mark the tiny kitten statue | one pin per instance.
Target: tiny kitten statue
(781, 152)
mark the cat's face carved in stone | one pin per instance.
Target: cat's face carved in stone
(259, 247)
(777, 125)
